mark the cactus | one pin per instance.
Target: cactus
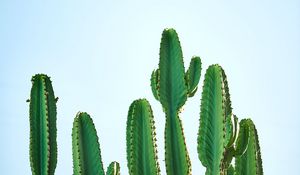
(221, 137)
(171, 86)
(250, 163)
(113, 169)
(43, 145)
(218, 126)
(86, 149)
(141, 141)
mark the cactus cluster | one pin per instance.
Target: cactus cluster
(43, 144)
(226, 146)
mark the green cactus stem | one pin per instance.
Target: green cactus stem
(141, 140)
(172, 86)
(86, 149)
(43, 145)
(216, 130)
(192, 75)
(113, 169)
(250, 162)
(239, 146)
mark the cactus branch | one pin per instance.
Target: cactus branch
(86, 148)
(214, 133)
(43, 145)
(192, 75)
(141, 139)
(250, 162)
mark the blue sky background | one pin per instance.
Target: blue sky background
(100, 55)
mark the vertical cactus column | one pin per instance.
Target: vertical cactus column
(250, 163)
(86, 149)
(215, 109)
(141, 140)
(171, 86)
(218, 126)
(43, 145)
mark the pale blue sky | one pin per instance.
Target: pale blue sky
(100, 55)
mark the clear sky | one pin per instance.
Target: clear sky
(100, 55)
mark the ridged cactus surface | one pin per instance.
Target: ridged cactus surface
(171, 85)
(219, 139)
(86, 149)
(141, 140)
(43, 145)
(250, 162)
(214, 136)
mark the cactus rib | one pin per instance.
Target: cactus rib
(43, 145)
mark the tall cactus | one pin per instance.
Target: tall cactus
(171, 86)
(43, 145)
(250, 163)
(86, 149)
(141, 141)
(218, 127)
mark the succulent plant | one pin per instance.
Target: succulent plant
(171, 85)
(86, 149)
(250, 162)
(221, 137)
(218, 137)
(43, 144)
(141, 141)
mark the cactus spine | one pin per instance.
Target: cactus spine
(141, 140)
(250, 162)
(43, 145)
(171, 86)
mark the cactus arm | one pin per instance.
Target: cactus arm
(172, 89)
(192, 75)
(154, 83)
(231, 128)
(86, 148)
(242, 139)
(141, 141)
(250, 162)
(176, 154)
(43, 145)
(113, 169)
(240, 144)
(215, 106)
